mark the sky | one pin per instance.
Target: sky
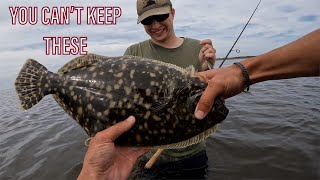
(275, 23)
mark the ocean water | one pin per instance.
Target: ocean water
(272, 132)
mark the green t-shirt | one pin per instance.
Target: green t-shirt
(183, 56)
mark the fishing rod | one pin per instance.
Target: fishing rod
(240, 34)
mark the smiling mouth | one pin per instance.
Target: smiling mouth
(158, 32)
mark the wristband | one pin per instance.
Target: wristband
(245, 74)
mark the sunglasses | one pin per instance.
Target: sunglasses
(158, 18)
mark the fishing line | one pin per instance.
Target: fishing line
(240, 34)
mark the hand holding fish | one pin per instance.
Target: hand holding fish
(300, 58)
(207, 54)
(104, 160)
(226, 82)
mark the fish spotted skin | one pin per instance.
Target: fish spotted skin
(103, 92)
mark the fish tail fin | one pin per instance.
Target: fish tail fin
(31, 84)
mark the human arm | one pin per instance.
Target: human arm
(207, 54)
(104, 160)
(300, 58)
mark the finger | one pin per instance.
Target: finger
(206, 101)
(207, 48)
(209, 56)
(201, 57)
(209, 52)
(205, 76)
(202, 76)
(113, 132)
(206, 41)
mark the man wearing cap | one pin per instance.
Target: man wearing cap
(157, 18)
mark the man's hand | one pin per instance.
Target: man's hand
(104, 160)
(223, 82)
(207, 54)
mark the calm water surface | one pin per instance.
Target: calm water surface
(271, 133)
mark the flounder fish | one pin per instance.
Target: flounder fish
(99, 91)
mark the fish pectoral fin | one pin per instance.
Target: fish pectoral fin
(160, 104)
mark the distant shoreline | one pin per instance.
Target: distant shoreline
(238, 57)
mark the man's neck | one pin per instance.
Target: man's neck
(170, 43)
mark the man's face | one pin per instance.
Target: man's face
(160, 31)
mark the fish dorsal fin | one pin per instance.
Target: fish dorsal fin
(82, 61)
(189, 71)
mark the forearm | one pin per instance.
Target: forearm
(300, 58)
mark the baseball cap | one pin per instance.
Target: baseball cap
(147, 8)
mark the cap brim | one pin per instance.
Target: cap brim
(152, 12)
